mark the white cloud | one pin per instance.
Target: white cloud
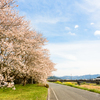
(47, 19)
(66, 56)
(67, 28)
(77, 68)
(76, 58)
(85, 29)
(91, 23)
(73, 34)
(76, 26)
(97, 33)
(90, 8)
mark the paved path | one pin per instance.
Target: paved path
(62, 92)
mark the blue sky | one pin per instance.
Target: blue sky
(72, 28)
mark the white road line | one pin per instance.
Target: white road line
(54, 94)
(48, 94)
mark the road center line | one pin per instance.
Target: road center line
(54, 94)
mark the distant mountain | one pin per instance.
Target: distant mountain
(81, 77)
(75, 77)
(54, 77)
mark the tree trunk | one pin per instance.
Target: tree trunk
(32, 80)
(5, 77)
(24, 81)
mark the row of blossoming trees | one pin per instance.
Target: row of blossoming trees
(22, 55)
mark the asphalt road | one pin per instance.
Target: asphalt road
(62, 92)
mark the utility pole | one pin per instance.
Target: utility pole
(71, 76)
(90, 76)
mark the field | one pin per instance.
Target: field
(28, 92)
(85, 86)
(91, 86)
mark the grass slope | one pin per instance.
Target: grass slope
(28, 92)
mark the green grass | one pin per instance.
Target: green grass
(28, 92)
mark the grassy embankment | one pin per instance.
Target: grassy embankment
(28, 92)
(85, 86)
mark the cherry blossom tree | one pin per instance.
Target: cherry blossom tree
(22, 55)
